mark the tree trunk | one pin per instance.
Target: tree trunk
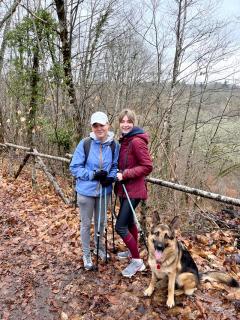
(208, 157)
(10, 12)
(197, 192)
(34, 97)
(2, 51)
(51, 178)
(167, 127)
(1, 127)
(195, 133)
(66, 54)
(179, 32)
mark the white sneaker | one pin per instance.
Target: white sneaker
(124, 255)
(102, 254)
(87, 262)
(134, 266)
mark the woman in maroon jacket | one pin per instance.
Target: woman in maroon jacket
(134, 164)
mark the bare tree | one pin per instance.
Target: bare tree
(180, 29)
(2, 51)
(10, 12)
(6, 19)
(67, 60)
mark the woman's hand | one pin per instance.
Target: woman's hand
(119, 176)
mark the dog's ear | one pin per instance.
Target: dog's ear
(174, 224)
(155, 218)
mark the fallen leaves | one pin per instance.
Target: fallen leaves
(42, 274)
(234, 295)
(64, 316)
(113, 299)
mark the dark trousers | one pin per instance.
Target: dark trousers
(125, 219)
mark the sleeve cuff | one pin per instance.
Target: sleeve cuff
(91, 175)
(124, 175)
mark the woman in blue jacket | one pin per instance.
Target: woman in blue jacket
(94, 172)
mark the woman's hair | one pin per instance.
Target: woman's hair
(129, 113)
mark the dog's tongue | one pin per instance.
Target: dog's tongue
(158, 255)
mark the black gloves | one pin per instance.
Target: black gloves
(100, 175)
(107, 181)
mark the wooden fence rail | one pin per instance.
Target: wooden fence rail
(163, 183)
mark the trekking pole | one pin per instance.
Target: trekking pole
(99, 222)
(105, 222)
(135, 217)
(113, 214)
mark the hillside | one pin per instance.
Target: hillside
(42, 275)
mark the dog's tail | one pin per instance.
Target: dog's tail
(221, 277)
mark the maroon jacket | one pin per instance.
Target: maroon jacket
(135, 163)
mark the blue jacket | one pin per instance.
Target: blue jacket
(83, 172)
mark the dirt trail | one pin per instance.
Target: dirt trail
(42, 278)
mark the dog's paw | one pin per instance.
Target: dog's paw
(148, 292)
(170, 303)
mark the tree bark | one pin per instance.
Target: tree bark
(66, 55)
(52, 179)
(22, 165)
(10, 12)
(167, 184)
(197, 192)
(1, 127)
(33, 102)
(2, 52)
(15, 146)
(179, 33)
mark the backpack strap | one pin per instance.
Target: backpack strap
(87, 145)
(113, 147)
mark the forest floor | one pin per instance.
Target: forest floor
(42, 275)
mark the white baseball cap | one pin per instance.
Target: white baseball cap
(99, 117)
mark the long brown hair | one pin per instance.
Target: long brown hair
(130, 114)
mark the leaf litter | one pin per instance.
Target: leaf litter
(42, 275)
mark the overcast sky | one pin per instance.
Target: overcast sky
(230, 8)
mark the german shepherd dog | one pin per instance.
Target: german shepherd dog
(169, 257)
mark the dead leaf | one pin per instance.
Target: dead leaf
(56, 290)
(234, 295)
(230, 249)
(76, 317)
(41, 265)
(114, 299)
(203, 239)
(235, 258)
(64, 316)
(201, 309)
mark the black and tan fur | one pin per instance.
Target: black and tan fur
(169, 257)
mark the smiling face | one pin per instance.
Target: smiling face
(100, 131)
(126, 124)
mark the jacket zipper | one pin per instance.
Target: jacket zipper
(100, 167)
